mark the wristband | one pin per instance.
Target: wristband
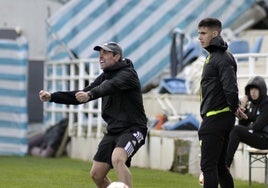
(90, 95)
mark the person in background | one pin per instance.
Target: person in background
(47, 143)
(122, 109)
(219, 104)
(254, 130)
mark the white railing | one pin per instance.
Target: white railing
(251, 64)
(251, 59)
(85, 119)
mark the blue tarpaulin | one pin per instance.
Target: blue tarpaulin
(13, 96)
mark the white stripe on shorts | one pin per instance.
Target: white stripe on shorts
(129, 148)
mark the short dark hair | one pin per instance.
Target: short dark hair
(213, 23)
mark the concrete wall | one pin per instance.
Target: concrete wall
(158, 152)
(30, 16)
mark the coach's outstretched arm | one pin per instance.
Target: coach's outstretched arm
(65, 97)
(44, 96)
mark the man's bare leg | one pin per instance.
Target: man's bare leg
(119, 158)
(99, 173)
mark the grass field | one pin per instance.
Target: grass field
(33, 172)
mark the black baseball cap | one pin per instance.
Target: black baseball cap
(110, 47)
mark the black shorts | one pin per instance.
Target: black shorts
(130, 140)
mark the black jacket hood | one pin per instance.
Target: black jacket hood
(257, 82)
(121, 64)
(217, 43)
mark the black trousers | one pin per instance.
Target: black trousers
(242, 134)
(214, 137)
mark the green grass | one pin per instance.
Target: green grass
(33, 172)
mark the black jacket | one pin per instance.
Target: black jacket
(257, 110)
(122, 103)
(218, 81)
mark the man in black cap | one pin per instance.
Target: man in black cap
(122, 109)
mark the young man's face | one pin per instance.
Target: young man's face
(107, 59)
(205, 35)
(254, 93)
